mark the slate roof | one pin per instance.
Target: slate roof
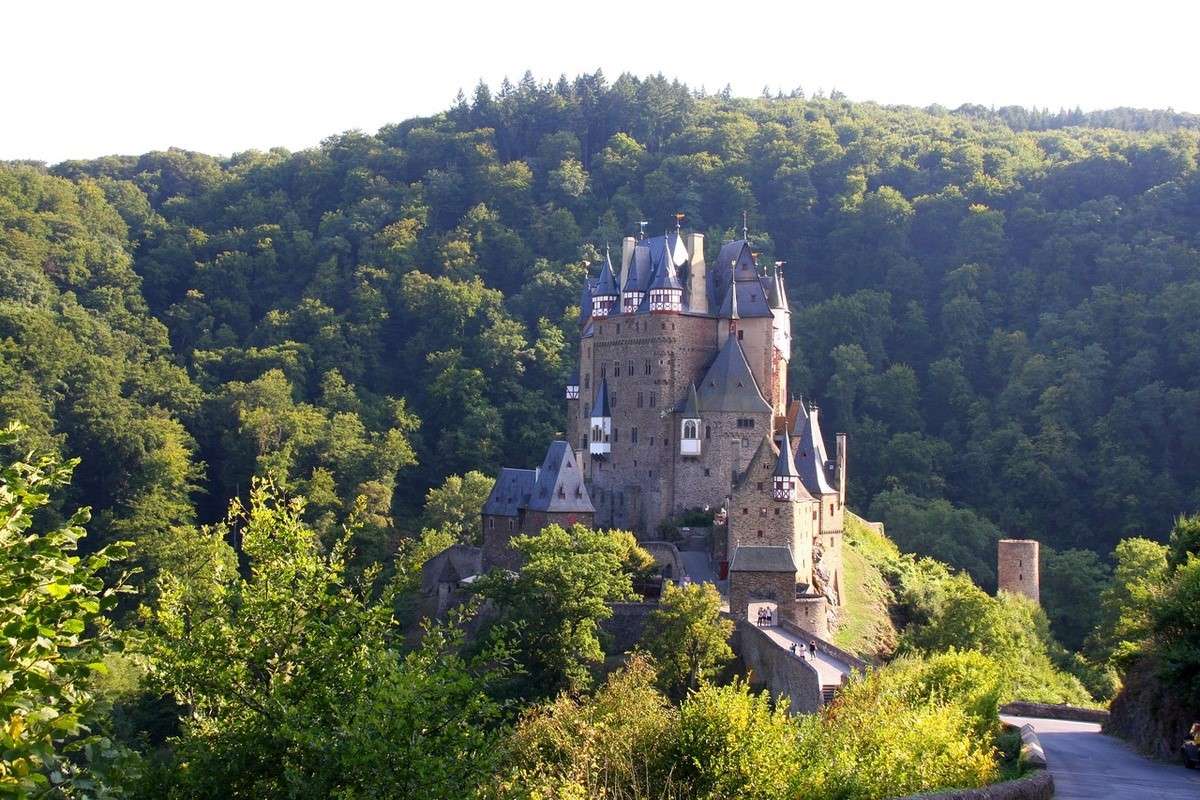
(810, 454)
(450, 566)
(585, 299)
(665, 276)
(762, 558)
(559, 486)
(691, 405)
(633, 280)
(729, 385)
(785, 466)
(729, 306)
(775, 293)
(607, 285)
(600, 406)
(511, 491)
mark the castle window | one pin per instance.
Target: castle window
(510, 523)
(652, 399)
(760, 534)
(831, 508)
(561, 492)
(777, 511)
(618, 328)
(614, 433)
(492, 523)
(587, 381)
(745, 511)
(740, 335)
(604, 370)
(633, 436)
(707, 472)
(689, 429)
(616, 369)
(651, 441)
(760, 486)
(744, 422)
(814, 516)
(647, 366)
(600, 329)
(640, 400)
(629, 367)
(651, 472)
(762, 512)
(664, 326)
(585, 441)
(707, 432)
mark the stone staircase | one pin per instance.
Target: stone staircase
(828, 692)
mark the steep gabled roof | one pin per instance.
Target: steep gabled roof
(762, 558)
(559, 486)
(510, 492)
(729, 384)
(810, 455)
(633, 279)
(456, 562)
(600, 405)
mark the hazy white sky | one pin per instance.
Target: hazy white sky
(83, 79)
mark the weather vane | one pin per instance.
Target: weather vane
(642, 224)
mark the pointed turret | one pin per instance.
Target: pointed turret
(782, 287)
(666, 292)
(690, 442)
(632, 294)
(605, 295)
(600, 441)
(810, 455)
(786, 477)
(774, 291)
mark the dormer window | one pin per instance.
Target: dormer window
(785, 488)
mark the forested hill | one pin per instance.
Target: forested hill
(1004, 319)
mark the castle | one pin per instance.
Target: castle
(680, 402)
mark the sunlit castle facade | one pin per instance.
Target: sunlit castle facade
(680, 402)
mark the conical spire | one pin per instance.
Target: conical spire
(608, 284)
(665, 276)
(773, 299)
(785, 466)
(633, 281)
(600, 406)
(691, 408)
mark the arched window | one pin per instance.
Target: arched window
(689, 429)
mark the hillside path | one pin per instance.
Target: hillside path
(829, 669)
(1087, 764)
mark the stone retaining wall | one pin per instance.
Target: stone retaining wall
(626, 625)
(1020, 708)
(773, 668)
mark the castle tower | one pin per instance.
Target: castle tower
(606, 294)
(666, 292)
(1017, 567)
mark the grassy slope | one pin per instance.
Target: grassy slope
(865, 627)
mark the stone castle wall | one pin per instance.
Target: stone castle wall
(773, 668)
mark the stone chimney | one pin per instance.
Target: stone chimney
(627, 245)
(1017, 567)
(698, 274)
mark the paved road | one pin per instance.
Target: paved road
(1087, 764)
(697, 566)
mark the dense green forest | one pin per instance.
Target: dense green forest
(997, 306)
(266, 363)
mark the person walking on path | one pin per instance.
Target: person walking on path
(812, 649)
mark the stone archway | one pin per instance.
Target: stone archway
(762, 604)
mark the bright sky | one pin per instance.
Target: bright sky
(88, 78)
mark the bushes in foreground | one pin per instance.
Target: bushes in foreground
(916, 725)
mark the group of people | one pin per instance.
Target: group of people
(799, 651)
(765, 617)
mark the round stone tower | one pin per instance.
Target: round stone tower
(1017, 570)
